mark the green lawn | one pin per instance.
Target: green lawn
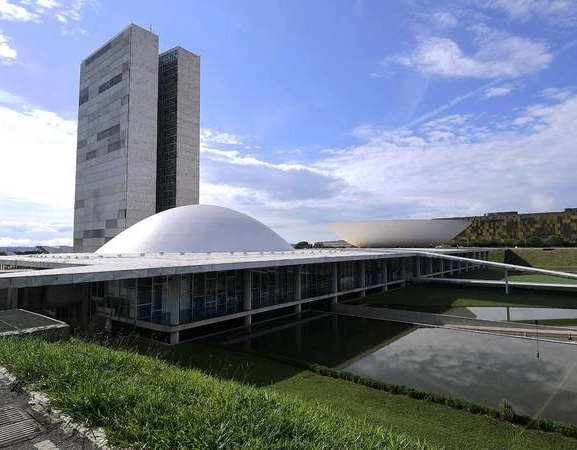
(563, 259)
(437, 424)
(143, 402)
(499, 274)
(452, 296)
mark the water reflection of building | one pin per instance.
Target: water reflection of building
(187, 269)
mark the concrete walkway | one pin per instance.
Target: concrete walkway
(557, 334)
(23, 427)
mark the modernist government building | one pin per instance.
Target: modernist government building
(148, 257)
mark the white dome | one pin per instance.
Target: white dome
(196, 228)
(400, 233)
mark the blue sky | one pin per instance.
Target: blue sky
(314, 112)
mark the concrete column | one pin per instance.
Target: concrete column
(298, 283)
(506, 281)
(334, 282)
(361, 269)
(174, 299)
(417, 264)
(451, 265)
(403, 272)
(174, 337)
(247, 296)
(430, 266)
(108, 324)
(298, 308)
(385, 275)
(12, 298)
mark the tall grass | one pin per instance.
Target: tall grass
(143, 402)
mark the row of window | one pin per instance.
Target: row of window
(108, 84)
(108, 132)
(111, 148)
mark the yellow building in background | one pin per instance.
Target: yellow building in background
(510, 227)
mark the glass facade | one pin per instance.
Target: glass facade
(167, 131)
(394, 269)
(316, 280)
(215, 294)
(347, 275)
(374, 272)
(200, 296)
(272, 285)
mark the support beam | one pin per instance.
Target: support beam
(247, 295)
(506, 281)
(361, 277)
(12, 298)
(334, 282)
(298, 282)
(174, 337)
(385, 275)
(417, 265)
(174, 300)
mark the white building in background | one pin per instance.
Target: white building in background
(138, 135)
(400, 232)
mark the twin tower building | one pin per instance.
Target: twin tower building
(138, 135)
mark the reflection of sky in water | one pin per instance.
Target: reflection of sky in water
(500, 313)
(482, 368)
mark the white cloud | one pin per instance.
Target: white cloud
(215, 137)
(72, 10)
(38, 167)
(449, 166)
(445, 19)
(7, 53)
(559, 94)
(48, 4)
(558, 11)
(67, 12)
(498, 55)
(16, 13)
(499, 91)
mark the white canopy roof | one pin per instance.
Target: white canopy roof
(196, 228)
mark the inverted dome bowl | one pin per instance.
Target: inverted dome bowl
(399, 233)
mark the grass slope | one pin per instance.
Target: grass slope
(499, 274)
(447, 296)
(142, 402)
(563, 259)
(439, 425)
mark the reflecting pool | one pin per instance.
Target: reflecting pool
(513, 313)
(477, 367)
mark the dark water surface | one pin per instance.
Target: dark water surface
(477, 367)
